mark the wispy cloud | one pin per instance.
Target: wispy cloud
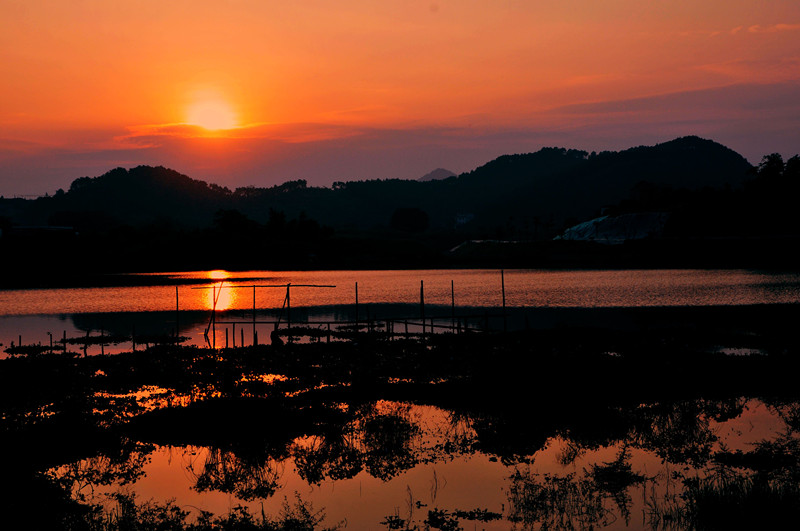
(153, 135)
(731, 101)
(13, 147)
(773, 28)
(753, 29)
(762, 71)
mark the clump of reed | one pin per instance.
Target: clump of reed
(129, 515)
(731, 500)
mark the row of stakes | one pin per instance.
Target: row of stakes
(459, 323)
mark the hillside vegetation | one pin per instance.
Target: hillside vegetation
(147, 218)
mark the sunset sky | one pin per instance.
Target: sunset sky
(356, 89)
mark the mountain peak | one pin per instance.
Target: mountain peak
(437, 175)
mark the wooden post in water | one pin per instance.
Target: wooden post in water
(226, 337)
(133, 337)
(453, 303)
(214, 316)
(329, 332)
(422, 304)
(241, 332)
(503, 287)
(255, 336)
(51, 341)
(289, 312)
(65, 341)
(177, 316)
(356, 305)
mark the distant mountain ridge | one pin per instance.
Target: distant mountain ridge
(437, 175)
(523, 195)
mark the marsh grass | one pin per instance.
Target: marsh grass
(555, 502)
(730, 500)
(616, 475)
(499, 390)
(129, 515)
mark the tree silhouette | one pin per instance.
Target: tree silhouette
(409, 220)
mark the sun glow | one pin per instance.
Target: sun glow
(211, 114)
(218, 274)
(221, 296)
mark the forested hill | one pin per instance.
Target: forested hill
(545, 189)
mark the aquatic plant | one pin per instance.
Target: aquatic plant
(616, 475)
(248, 479)
(129, 514)
(729, 500)
(557, 502)
(344, 408)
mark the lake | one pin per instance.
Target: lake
(393, 462)
(623, 399)
(476, 288)
(150, 309)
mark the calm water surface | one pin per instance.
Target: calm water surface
(425, 458)
(36, 316)
(472, 288)
(395, 459)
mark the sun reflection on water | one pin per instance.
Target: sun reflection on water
(221, 291)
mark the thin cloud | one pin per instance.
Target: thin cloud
(774, 28)
(153, 135)
(765, 71)
(151, 131)
(756, 28)
(11, 147)
(732, 100)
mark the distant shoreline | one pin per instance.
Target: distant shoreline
(772, 255)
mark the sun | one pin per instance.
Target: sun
(213, 115)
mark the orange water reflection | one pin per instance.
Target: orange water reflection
(222, 291)
(472, 288)
(405, 459)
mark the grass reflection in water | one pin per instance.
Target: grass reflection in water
(579, 438)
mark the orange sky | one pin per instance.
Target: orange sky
(356, 89)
